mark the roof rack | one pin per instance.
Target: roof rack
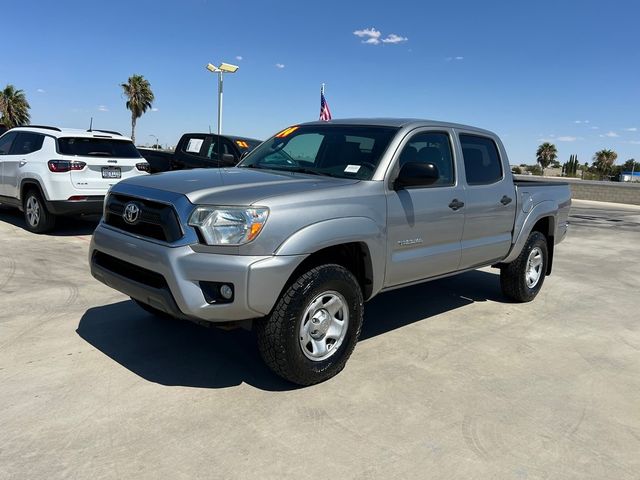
(46, 127)
(105, 131)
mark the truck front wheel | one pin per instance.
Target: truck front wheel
(314, 326)
(522, 279)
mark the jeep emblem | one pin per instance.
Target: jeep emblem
(131, 213)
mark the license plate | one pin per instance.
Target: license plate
(111, 172)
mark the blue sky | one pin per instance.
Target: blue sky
(567, 72)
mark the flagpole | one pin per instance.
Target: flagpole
(322, 89)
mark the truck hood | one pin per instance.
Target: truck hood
(235, 186)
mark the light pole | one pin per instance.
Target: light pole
(221, 70)
(157, 141)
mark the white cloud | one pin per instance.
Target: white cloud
(448, 59)
(634, 142)
(279, 65)
(567, 139)
(239, 57)
(154, 109)
(581, 121)
(393, 38)
(371, 35)
(632, 129)
(103, 108)
(595, 128)
(611, 134)
(40, 90)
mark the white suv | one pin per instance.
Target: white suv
(49, 171)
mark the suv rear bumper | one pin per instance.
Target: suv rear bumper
(91, 206)
(169, 278)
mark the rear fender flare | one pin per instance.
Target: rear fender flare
(543, 209)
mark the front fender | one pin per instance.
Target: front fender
(336, 231)
(547, 208)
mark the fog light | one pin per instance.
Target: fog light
(226, 291)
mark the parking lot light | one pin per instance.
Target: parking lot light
(221, 70)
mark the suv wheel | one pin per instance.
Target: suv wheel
(522, 279)
(314, 326)
(36, 215)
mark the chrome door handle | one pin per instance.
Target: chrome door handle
(505, 200)
(456, 204)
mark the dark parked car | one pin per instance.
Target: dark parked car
(200, 150)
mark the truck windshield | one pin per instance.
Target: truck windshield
(98, 147)
(345, 151)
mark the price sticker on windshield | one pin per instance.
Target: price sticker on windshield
(352, 169)
(286, 132)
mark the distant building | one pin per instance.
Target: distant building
(630, 177)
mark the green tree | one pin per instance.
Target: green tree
(139, 99)
(546, 154)
(603, 161)
(14, 107)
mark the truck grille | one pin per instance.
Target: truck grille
(129, 270)
(156, 220)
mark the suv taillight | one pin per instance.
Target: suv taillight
(61, 166)
(143, 167)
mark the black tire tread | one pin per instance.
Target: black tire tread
(272, 337)
(512, 274)
(47, 220)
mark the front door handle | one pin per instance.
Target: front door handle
(505, 200)
(456, 204)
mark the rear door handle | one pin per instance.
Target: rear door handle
(505, 200)
(456, 204)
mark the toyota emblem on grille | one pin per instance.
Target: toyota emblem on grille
(131, 213)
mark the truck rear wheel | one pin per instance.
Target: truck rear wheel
(522, 279)
(314, 326)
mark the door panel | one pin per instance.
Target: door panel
(5, 148)
(489, 214)
(424, 233)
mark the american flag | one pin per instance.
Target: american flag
(325, 113)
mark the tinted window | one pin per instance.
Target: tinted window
(27, 143)
(218, 147)
(481, 160)
(5, 143)
(433, 148)
(97, 147)
(346, 151)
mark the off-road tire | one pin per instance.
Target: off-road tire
(46, 221)
(278, 334)
(513, 275)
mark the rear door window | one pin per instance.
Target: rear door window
(6, 141)
(481, 160)
(97, 147)
(26, 143)
(194, 145)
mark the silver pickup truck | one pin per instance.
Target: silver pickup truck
(317, 220)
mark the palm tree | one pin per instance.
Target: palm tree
(603, 161)
(14, 107)
(139, 99)
(546, 154)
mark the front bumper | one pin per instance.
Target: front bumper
(168, 278)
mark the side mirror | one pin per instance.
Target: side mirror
(228, 159)
(416, 174)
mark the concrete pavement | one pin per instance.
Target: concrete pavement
(449, 380)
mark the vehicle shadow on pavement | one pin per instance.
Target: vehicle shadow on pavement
(398, 308)
(173, 352)
(65, 226)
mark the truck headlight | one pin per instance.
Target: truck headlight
(228, 225)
